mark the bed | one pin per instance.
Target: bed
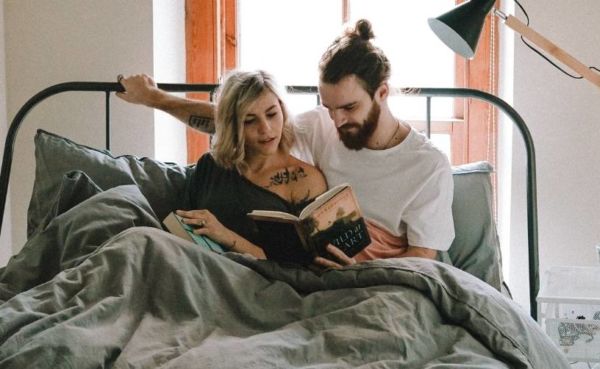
(100, 284)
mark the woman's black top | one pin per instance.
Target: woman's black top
(230, 197)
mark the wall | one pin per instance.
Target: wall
(49, 42)
(563, 116)
(169, 66)
(5, 237)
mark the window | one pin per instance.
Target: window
(288, 37)
(290, 47)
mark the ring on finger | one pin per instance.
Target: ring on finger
(201, 223)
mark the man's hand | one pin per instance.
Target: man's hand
(341, 261)
(140, 89)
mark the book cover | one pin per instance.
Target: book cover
(176, 226)
(334, 218)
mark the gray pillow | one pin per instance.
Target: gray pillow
(81, 220)
(476, 247)
(163, 184)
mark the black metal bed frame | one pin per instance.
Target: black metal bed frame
(428, 93)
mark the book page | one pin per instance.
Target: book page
(321, 199)
(175, 227)
(273, 215)
(342, 206)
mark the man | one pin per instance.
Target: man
(403, 183)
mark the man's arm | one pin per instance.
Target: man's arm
(141, 89)
(420, 252)
(343, 260)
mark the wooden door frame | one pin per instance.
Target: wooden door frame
(474, 139)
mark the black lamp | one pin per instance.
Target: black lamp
(460, 28)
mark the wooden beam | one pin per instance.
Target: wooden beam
(552, 49)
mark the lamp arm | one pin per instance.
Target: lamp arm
(549, 47)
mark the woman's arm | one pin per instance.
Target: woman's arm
(243, 246)
(141, 89)
(206, 224)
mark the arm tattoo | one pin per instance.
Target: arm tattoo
(203, 124)
(285, 177)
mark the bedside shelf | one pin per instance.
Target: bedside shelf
(569, 310)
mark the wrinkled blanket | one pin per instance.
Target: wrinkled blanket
(143, 298)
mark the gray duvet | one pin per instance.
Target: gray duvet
(103, 287)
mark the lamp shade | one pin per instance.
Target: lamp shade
(460, 28)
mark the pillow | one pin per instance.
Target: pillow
(476, 247)
(76, 231)
(163, 184)
(75, 188)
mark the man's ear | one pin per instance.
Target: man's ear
(383, 91)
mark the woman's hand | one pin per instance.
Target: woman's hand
(341, 261)
(206, 224)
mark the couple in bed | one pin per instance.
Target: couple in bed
(403, 183)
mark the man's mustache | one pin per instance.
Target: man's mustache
(349, 126)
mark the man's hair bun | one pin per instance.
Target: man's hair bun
(364, 30)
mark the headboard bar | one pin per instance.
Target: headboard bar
(532, 224)
(109, 87)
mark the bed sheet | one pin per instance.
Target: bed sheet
(117, 291)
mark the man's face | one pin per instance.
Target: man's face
(352, 110)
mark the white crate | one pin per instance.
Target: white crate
(569, 311)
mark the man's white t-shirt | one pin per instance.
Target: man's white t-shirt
(406, 189)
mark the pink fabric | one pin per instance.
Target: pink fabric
(383, 245)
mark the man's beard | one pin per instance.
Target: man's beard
(355, 136)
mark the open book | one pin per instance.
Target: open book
(176, 226)
(334, 217)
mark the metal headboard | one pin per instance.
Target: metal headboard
(428, 93)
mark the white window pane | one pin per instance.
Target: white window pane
(442, 142)
(275, 35)
(298, 103)
(415, 107)
(417, 56)
(287, 38)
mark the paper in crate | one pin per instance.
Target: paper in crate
(569, 304)
(578, 339)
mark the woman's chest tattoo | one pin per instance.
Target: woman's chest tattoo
(286, 176)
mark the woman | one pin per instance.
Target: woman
(249, 166)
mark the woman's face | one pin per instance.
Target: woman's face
(263, 125)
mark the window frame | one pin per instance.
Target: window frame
(211, 49)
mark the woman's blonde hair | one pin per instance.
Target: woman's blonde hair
(235, 95)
